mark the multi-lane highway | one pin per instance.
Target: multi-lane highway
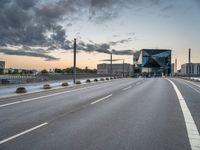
(122, 114)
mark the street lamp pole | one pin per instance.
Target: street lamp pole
(189, 59)
(111, 64)
(123, 67)
(74, 69)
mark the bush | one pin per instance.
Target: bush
(78, 82)
(107, 78)
(111, 78)
(46, 86)
(114, 77)
(21, 90)
(65, 84)
(88, 81)
(95, 80)
(102, 79)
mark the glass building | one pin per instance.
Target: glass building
(153, 62)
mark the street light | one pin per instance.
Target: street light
(74, 69)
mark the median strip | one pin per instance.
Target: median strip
(193, 133)
(22, 133)
(104, 98)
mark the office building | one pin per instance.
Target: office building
(117, 69)
(194, 69)
(153, 62)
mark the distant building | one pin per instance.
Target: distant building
(195, 69)
(117, 69)
(2, 67)
(172, 69)
(153, 62)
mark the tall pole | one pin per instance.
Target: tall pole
(176, 68)
(111, 64)
(189, 67)
(123, 67)
(74, 69)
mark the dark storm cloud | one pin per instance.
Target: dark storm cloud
(38, 22)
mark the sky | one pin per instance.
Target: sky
(38, 34)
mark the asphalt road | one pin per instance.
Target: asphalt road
(124, 114)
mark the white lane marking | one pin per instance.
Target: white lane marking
(192, 87)
(193, 83)
(22, 133)
(127, 88)
(193, 133)
(37, 98)
(104, 98)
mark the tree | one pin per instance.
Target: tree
(58, 70)
(44, 71)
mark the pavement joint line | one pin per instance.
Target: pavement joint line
(192, 131)
(22, 133)
(45, 96)
(127, 88)
(104, 98)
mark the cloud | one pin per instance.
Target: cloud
(102, 48)
(27, 52)
(166, 8)
(115, 35)
(122, 52)
(69, 24)
(120, 41)
(42, 23)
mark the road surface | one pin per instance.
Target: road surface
(122, 114)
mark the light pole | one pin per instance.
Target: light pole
(110, 64)
(74, 69)
(189, 60)
(123, 67)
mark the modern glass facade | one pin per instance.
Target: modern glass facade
(154, 62)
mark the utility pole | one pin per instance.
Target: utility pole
(189, 67)
(74, 71)
(111, 64)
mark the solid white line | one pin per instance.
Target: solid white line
(37, 98)
(193, 83)
(22, 133)
(192, 87)
(104, 98)
(193, 133)
(127, 88)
